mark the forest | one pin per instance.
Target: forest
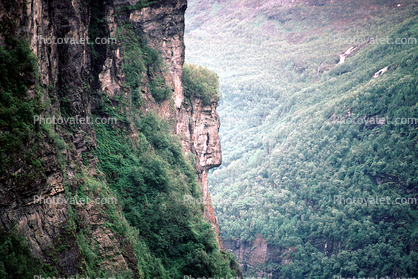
(311, 147)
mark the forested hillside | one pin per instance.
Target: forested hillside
(320, 154)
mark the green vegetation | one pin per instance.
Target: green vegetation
(21, 140)
(286, 162)
(152, 177)
(200, 82)
(144, 165)
(140, 59)
(16, 260)
(16, 109)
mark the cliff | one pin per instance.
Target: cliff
(196, 124)
(254, 256)
(62, 162)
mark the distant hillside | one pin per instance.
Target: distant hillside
(320, 161)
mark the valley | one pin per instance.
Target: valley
(301, 86)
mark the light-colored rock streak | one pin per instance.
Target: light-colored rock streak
(381, 72)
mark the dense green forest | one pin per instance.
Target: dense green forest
(304, 159)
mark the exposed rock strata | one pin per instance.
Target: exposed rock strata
(48, 225)
(253, 255)
(64, 73)
(197, 125)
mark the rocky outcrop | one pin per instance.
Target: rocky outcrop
(66, 80)
(255, 254)
(196, 124)
(206, 146)
(164, 29)
(351, 51)
(381, 72)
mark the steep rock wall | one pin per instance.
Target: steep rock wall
(45, 225)
(64, 78)
(196, 124)
(255, 254)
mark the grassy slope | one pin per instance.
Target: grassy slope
(284, 162)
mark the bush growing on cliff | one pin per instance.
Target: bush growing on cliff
(200, 82)
(139, 59)
(16, 260)
(17, 70)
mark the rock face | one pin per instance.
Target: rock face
(258, 254)
(196, 124)
(206, 146)
(48, 225)
(64, 73)
(254, 255)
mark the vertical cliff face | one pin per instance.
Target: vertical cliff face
(59, 66)
(255, 254)
(206, 146)
(66, 80)
(196, 124)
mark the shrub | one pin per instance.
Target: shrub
(16, 260)
(200, 82)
